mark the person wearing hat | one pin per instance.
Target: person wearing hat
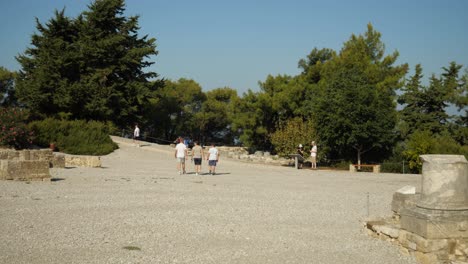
(300, 151)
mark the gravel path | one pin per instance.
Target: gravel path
(137, 209)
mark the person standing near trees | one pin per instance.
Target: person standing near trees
(313, 155)
(213, 158)
(136, 135)
(181, 155)
(197, 157)
(300, 151)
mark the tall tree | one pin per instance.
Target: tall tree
(178, 103)
(412, 115)
(252, 118)
(7, 92)
(91, 67)
(425, 107)
(355, 108)
(214, 118)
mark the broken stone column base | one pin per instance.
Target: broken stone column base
(435, 224)
(426, 251)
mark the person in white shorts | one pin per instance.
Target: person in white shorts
(181, 155)
(313, 155)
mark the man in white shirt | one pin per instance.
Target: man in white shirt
(181, 155)
(213, 158)
(136, 135)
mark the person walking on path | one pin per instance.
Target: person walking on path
(136, 135)
(181, 155)
(213, 158)
(313, 155)
(197, 157)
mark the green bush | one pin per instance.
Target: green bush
(393, 167)
(290, 134)
(75, 137)
(13, 130)
(397, 163)
(341, 165)
(424, 142)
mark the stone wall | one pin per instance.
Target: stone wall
(241, 153)
(34, 164)
(25, 164)
(82, 161)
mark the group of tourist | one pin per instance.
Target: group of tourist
(181, 154)
(313, 154)
(197, 156)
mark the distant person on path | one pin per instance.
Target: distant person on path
(197, 156)
(313, 155)
(136, 135)
(181, 155)
(300, 151)
(213, 158)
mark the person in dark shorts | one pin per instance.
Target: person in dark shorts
(300, 151)
(213, 158)
(197, 157)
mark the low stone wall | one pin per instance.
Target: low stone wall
(34, 164)
(24, 170)
(82, 161)
(241, 153)
(25, 164)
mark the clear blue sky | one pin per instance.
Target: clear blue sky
(237, 43)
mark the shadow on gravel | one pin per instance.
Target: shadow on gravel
(57, 179)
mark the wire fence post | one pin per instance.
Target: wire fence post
(368, 204)
(403, 162)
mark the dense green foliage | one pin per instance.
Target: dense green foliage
(291, 133)
(7, 91)
(74, 137)
(90, 67)
(13, 130)
(354, 107)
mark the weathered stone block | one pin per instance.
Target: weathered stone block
(434, 224)
(387, 230)
(403, 200)
(444, 182)
(24, 170)
(427, 245)
(41, 154)
(58, 161)
(83, 161)
(258, 153)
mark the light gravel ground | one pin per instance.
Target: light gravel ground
(245, 214)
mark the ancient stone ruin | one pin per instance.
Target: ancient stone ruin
(28, 165)
(25, 164)
(432, 224)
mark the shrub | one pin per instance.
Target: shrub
(423, 142)
(290, 134)
(341, 165)
(77, 137)
(397, 163)
(13, 130)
